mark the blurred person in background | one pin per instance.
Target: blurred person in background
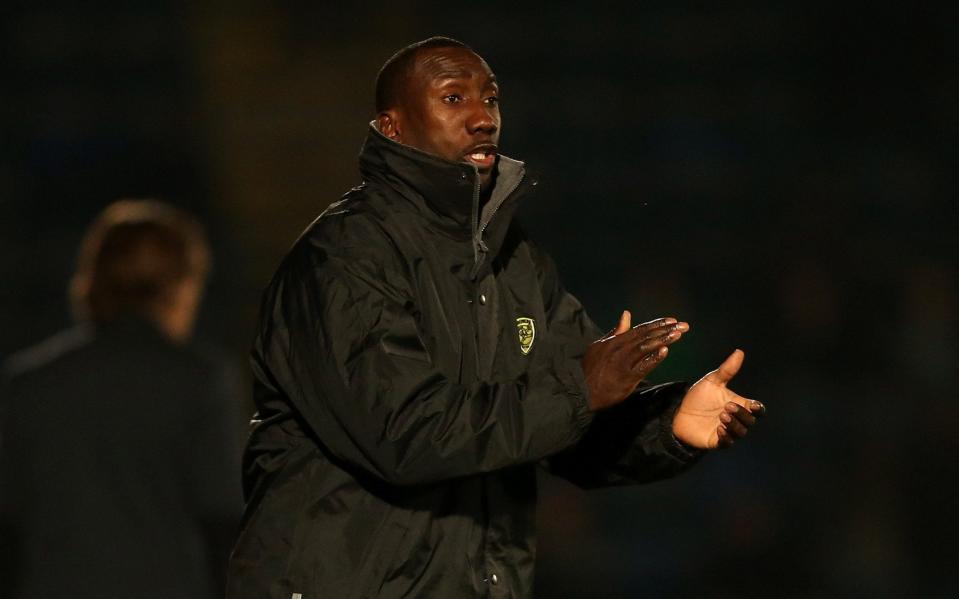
(418, 356)
(118, 447)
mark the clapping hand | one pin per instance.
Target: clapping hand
(711, 415)
(616, 364)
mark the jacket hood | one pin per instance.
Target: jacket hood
(447, 192)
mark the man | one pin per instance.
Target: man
(118, 439)
(417, 357)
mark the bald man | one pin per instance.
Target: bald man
(418, 357)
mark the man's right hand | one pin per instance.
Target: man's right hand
(616, 364)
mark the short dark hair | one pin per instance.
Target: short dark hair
(132, 259)
(389, 81)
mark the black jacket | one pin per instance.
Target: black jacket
(119, 454)
(416, 357)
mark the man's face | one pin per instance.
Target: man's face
(450, 109)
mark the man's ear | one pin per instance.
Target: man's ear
(388, 123)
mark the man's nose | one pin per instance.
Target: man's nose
(483, 120)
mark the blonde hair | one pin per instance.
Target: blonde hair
(132, 259)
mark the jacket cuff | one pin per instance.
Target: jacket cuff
(578, 392)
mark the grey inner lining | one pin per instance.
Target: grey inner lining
(509, 174)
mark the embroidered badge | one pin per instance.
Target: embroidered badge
(527, 332)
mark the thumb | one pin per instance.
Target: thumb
(623, 325)
(730, 366)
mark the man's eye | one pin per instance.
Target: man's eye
(492, 101)
(452, 98)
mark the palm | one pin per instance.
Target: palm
(697, 422)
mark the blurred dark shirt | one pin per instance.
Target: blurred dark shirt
(120, 466)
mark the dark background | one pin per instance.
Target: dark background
(781, 175)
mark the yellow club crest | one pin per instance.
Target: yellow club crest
(527, 332)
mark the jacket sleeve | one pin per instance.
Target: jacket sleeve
(344, 348)
(632, 442)
(629, 443)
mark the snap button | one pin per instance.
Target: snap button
(482, 299)
(494, 579)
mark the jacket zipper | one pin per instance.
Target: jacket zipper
(474, 223)
(478, 243)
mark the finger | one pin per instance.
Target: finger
(728, 369)
(724, 439)
(756, 408)
(650, 361)
(646, 327)
(741, 414)
(621, 327)
(624, 322)
(734, 427)
(669, 324)
(670, 333)
(641, 333)
(654, 345)
(644, 334)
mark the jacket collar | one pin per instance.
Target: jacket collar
(447, 193)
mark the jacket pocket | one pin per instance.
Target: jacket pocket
(381, 558)
(402, 339)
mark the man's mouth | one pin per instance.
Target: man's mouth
(483, 156)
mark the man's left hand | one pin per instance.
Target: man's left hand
(711, 415)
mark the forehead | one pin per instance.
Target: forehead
(433, 65)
